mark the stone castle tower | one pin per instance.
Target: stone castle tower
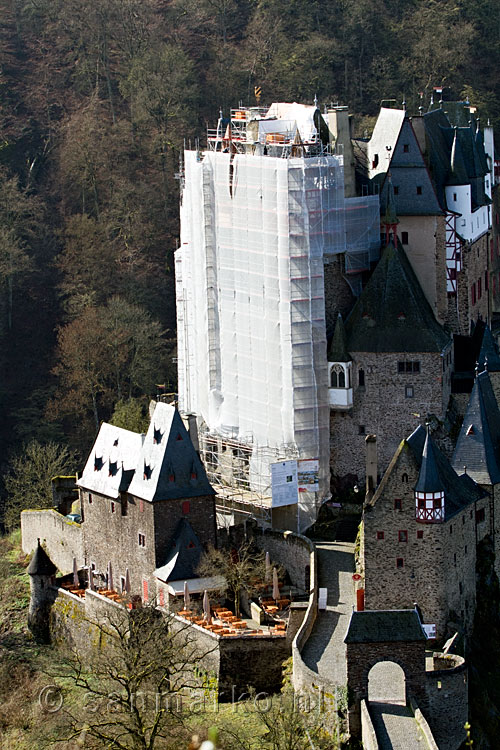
(42, 572)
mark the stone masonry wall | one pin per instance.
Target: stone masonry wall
(199, 511)
(474, 267)
(62, 539)
(290, 550)
(438, 560)
(110, 536)
(382, 408)
(338, 295)
(447, 696)
(240, 663)
(361, 657)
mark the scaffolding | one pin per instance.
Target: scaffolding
(261, 209)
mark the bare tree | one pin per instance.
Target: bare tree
(136, 680)
(244, 570)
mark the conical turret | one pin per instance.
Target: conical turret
(429, 490)
(41, 571)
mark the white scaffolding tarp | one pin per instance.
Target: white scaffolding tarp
(250, 303)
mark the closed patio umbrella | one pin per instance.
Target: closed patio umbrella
(110, 577)
(76, 580)
(276, 590)
(268, 567)
(91, 580)
(127, 582)
(187, 598)
(206, 607)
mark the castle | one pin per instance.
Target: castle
(296, 349)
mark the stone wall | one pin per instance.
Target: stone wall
(62, 539)
(438, 560)
(361, 657)
(494, 257)
(447, 699)
(338, 294)
(474, 266)
(199, 511)
(111, 536)
(368, 736)
(382, 408)
(293, 551)
(111, 530)
(240, 663)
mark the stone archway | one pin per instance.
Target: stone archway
(387, 637)
(387, 683)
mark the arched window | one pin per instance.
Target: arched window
(404, 478)
(337, 377)
(361, 378)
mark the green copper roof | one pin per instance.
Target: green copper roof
(337, 351)
(392, 313)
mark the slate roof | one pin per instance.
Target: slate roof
(160, 465)
(385, 626)
(470, 159)
(409, 172)
(112, 461)
(41, 564)
(459, 491)
(488, 358)
(337, 351)
(428, 478)
(478, 443)
(183, 555)
(392, 313)
(169, 466)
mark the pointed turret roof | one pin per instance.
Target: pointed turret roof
(392, 313)
(183, 555)
(41, 564)
(458, 172)
(428, 478)
(488, 359)
(479, 439)
(337, 351)
(390, 217)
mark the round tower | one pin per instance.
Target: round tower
(42, 576)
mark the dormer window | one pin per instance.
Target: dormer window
(98, 463)
(148, 470)
(113, 468)
(157, 436)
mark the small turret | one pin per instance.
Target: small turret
(42, 575)
(339, 369)
(429, 491)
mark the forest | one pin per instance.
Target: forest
(96, 103)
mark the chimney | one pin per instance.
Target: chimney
(371, 466)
